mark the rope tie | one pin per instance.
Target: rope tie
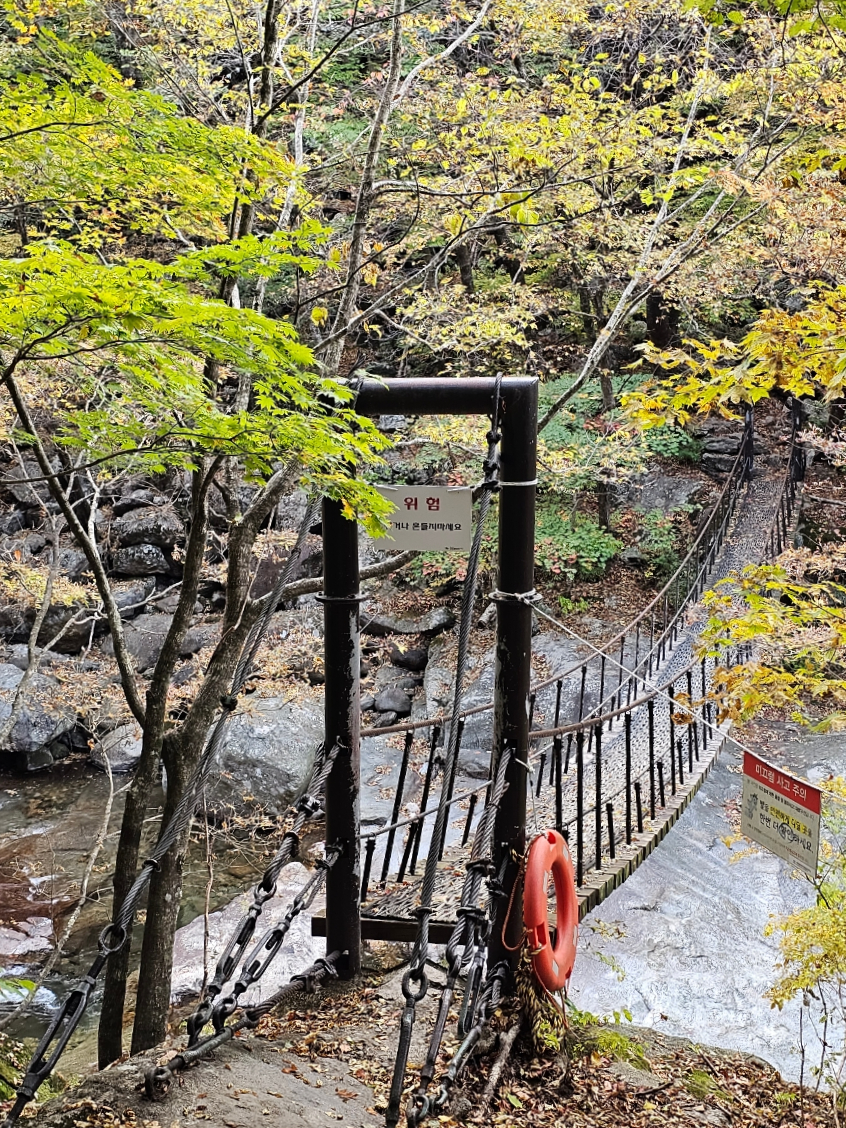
(530, 598)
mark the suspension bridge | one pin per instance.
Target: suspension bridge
(634, 733)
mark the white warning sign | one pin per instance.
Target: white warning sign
(781, 812)
(429, 517)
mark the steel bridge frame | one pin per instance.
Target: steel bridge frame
(341, 599)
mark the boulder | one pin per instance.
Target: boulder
(474, 763)
(666, 493)
(268, 754)
(16, 620)
(410, 683)
(393, 700)
(156, 525)
(136, 499)
(299, 948)
(141, 560)
(433, 622)
(25, 937)
(121, 748)
(25, 493)
(721, 444)
(131, 596)
(43, 719)
(267, 571)
(12, 522)
(73, 563)
(18, 655)
(718, 465)
(383, 720)
(76, 619)
(368, 703)
(414, 659)
(291, 511)
(145, 637)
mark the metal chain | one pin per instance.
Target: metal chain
(114, 936)
(471, 928)
(158, 1081)
(264, 953)
(305, 807)
(415, 983)
(492, 992)
(256, 964)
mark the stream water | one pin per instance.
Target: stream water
(48, 826)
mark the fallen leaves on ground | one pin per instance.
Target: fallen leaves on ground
(619, 1077)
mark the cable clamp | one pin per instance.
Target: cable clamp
(229, 701)
(350, 600)
(533, 482)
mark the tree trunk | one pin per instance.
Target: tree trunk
(662, 321)
(153, 1001)
(608, 400)
(603, 498)
(465, 267)
(110, 1031)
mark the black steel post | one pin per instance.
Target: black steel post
(395, 813)
(660, 767)
(424, 798)
(541, 768)
(369, 847)
(470, 812)
(612, 845)
(628, 723)
(559, 800)
(342, 712)
(598, 795)
(650, 707)
(672, 761)
(409, 843)
(580, 804)
(556, 741)
(516, 576)
(639, 801)
(618, 696)
(671, 693)
(681, 762)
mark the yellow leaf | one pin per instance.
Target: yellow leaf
(319, 315)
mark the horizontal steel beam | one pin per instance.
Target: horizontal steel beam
(438, 395)
(400, 930)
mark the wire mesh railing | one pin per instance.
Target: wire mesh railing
(622, 668)
(634, 743)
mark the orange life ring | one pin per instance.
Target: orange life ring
(549, 854)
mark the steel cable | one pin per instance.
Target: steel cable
(416, 973)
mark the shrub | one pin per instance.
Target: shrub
(659, 544)
(672, 442)
(576, 548)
